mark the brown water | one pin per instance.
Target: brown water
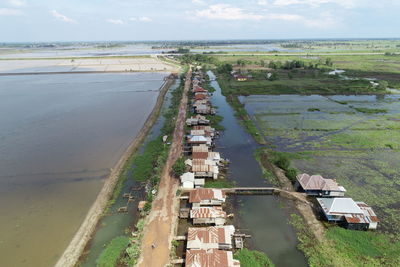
(59, 137)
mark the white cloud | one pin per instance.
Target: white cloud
(10, 12)
(61, 17)
(262, 2)
(317, 3)
(17, 3)
(142, 19)
(326, 20)
(227, 12)
(198, 2)
(282, 16)
(115, 21)
(145, 19)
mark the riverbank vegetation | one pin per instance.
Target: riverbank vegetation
(347, 248)
(252, 258)
(111, 254)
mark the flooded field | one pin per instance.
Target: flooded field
(354, 139)
(60, 135)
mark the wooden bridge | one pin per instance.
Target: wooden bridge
(262, 191)
(253, 190)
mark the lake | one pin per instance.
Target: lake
(59, 137)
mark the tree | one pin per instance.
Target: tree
(273, 77)
(241, 62)
(179, 167)
(382, 85)
(272, 65)
(328, 61)
(224, 68)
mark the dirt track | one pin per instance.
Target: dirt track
(74, 250)
(160, 225)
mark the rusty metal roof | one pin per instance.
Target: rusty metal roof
(199, 194)
(317, 182)
(210, 258)
(207, 212)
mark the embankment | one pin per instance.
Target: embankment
(83, 235)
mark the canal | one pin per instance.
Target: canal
(265, 218)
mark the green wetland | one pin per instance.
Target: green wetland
(354, 139)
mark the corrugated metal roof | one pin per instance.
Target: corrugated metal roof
(207, 212)
(337, 206)
(210, 258)
(197, 139)
(200, 148)
(209, 237)
(317, 182)
(196, 196)
(187, 177)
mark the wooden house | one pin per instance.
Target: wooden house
(316, 185)
(351, 214)
(214, 237)
(208, 215)
(207, 197)
(210, 258)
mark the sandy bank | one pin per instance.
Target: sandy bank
(83, 235)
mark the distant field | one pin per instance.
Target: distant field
(316, 80)
(81, 64)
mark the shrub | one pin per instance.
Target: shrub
(282, 162)
(179, 167)
(291, 173)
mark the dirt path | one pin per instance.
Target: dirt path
(160, 226)
(74, 250)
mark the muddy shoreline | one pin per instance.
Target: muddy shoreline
(78, 243)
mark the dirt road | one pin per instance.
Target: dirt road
(160, 226)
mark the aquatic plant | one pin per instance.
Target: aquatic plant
(110, 255)
(252, 258)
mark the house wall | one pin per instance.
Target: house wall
(356, 226)
(203, 221)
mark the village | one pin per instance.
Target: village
(209, 239)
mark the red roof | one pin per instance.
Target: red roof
(200, 97)
(200, 194)
(199, 89)
(210, 258)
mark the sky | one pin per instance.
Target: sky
(135, 20)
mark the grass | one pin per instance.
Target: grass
(347, 248)
(219, 183)
(252, 258)
(267, 174)
(111, 254)
(371, 110)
